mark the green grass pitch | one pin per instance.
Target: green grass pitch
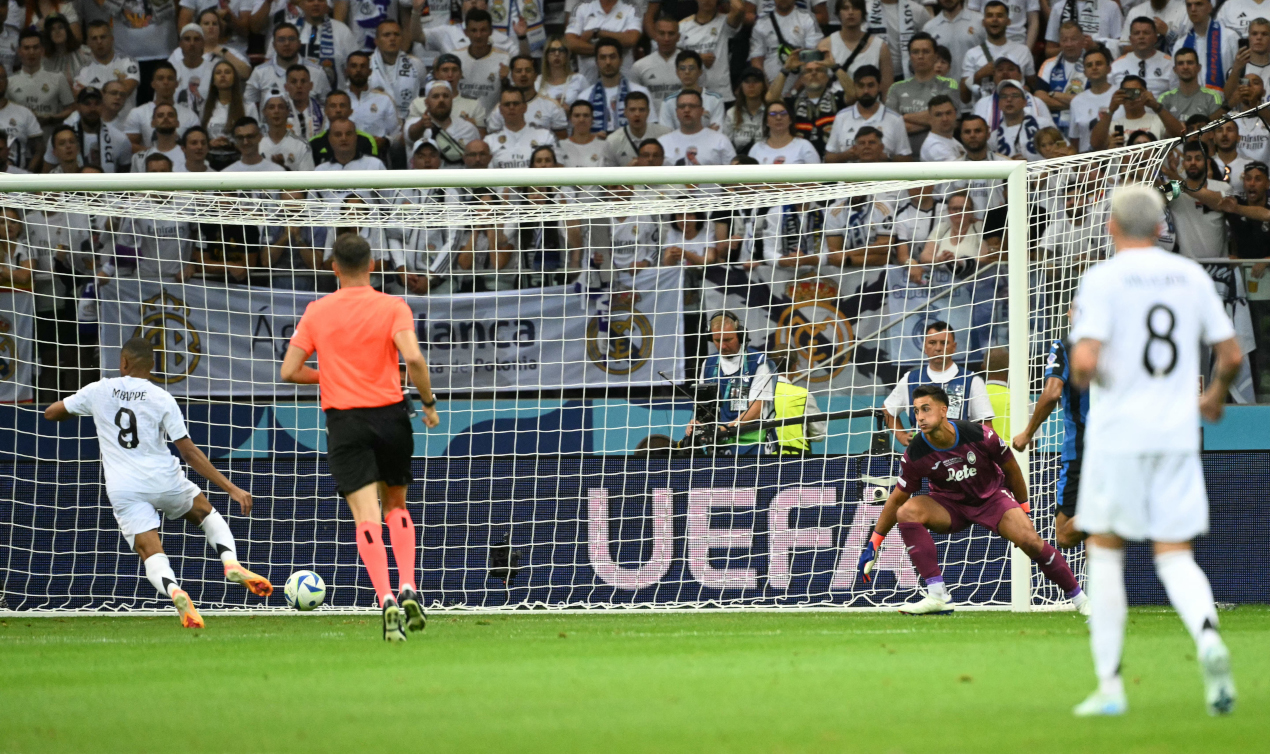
(680, 682)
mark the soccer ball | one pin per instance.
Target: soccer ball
(305, 590)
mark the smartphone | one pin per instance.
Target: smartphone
(1132, 94)
(1243, 43)
(1119, 130)
(811, 56)
(1244, 81)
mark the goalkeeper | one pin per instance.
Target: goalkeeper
(357, 333)
(974, 479)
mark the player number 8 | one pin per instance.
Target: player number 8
(1156, 336)
(127, 432)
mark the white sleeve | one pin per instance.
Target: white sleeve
(1215, 323)
(763, 386)
(897, 401)
(1092, 318)
(978, 404)
(81, 403)
(173, 422)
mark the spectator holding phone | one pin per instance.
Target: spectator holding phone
(1136, 99)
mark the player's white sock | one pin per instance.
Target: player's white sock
(937, 589)
(160, 573)
(1190, 593)
(220, 537)
(1105, 586)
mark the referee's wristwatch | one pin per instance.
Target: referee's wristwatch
(428, 404)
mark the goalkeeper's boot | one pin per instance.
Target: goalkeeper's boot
(1219, 687)
(412, 604)
(393, 631)
(931, 604)
(256, 584)
(185, 607)
(1102, 704)
(1081, 603)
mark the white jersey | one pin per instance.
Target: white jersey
(1150, 310)
(136, 420)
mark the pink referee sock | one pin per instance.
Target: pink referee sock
(1055, 568)
(921, 550)
(401, 532)
(370, 545)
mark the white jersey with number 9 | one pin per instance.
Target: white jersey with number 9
(135, 420)
(1150, 309)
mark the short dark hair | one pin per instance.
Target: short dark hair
(341, 93)
(869, 131)
(506, 90)
(1143, 20)
(944, 53)
(689, 92)
(934, 392)
(476, 15)
(161, 65)
(866, 71)
(286, 25)
(582, 103)
(195, 129)
(1185, 51)
(1132, 77)
(356, 54)
(935, 325)
(988, 5)
(651, 142)
(139, 349)
(637, 95)
(939, 99)
(1194, 145)
(352, 252)
(512, 63)
(246, 120)
(1099, 50)
(158, 157)
(1198, 119)
(298, 68)
(689, 55)
(99, 23)
(922, 36)
(28, 33)
(607, 42)
(60, 128)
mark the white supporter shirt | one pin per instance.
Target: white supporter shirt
(1254, 139)
(1017, 30)
(705, 147)
(45, 92)
(138, 122)
(1086, 108)
(135, 419)
(540, 112)
(512, 149)
(264, 166)
(1237, 14)
(1157, 70)
(481, 76)
(958, 34)
(591, 15)
(1201, 232)
(658, 75)
(1173, 14)
(1150, 310)
(192, 84)
(375, 113)
(402, 80)
(977, 407)
(21, 125)
(797, 152)
(1229, 47)
(342, 43)
(269, 76)
(120, 67)
(296, 154)
(1098, 19)
(713, 104)
(975, 59)
(570, 154)
(711, 37)
(890, 123)
(938, 148)
(175, 154)
(799, 29)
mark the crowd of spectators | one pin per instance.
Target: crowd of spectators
(250, 85)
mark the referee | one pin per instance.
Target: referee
(357, 333)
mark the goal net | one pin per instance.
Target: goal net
(568, 318)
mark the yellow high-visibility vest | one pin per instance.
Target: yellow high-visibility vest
(790, 402)
(999, 397)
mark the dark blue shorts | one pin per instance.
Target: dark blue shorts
(1068, 485)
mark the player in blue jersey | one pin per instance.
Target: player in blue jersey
(1059, 388)
(974, 479)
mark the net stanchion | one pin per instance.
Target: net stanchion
(595, 450)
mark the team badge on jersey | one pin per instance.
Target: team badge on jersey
(970, 456)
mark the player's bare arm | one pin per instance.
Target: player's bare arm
(1229, 357)
(57, 412)
(417, 367)
(1016, 482)
(1045, 405)
(1084, 358)
(294, 369)
(197, 460)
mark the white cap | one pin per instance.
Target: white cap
(192, 27)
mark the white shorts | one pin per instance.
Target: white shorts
(138, 512)
(1155, 496)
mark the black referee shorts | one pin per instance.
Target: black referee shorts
(365, 445)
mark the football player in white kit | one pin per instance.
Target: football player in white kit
(135, 421)
(1140, 319)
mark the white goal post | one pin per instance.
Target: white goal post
(552, 351)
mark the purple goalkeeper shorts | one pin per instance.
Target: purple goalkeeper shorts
(988, 514)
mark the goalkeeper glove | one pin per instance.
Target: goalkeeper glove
(869, 558)
(1026, 508)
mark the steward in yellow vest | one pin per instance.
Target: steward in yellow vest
(793, 401)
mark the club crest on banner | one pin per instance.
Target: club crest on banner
(178, 348)
(813, 326)
(619, 341)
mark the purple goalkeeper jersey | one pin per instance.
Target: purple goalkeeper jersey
(967, 473)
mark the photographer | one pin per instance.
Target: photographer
(1134, 97)
(792, 400)
(745, 382)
